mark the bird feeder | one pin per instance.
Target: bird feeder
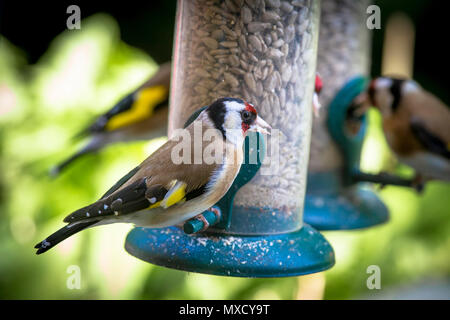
(262, 51)
(335, 199)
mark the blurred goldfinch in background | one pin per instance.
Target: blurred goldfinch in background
(140, 115)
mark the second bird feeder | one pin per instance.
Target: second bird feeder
(335, 199)
(263, 51)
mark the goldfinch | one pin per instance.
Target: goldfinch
(163, 191)
(416, 125)
(141, 115)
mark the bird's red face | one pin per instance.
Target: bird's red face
(248, 115)
(318, 84)
(317, 90)
(252, 122)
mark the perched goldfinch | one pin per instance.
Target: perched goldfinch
(416, 125)
(141, 115)
(164, 191)
(317, 89)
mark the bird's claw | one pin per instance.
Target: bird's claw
(216, 212)
(202, 218)
(418, 183)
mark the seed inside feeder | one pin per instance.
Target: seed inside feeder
(262, 51)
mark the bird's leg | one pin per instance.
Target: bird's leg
(381, 186)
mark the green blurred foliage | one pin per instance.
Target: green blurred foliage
(83, 73)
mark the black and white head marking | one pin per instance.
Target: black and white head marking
(217, 112)
(396, 91)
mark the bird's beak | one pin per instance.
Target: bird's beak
(260, 126)
(316, 104)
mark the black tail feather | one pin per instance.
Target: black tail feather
(56, 170)
(61, 235)
(89, 148)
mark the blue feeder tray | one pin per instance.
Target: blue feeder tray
(334, 200)
(245, 242)
(282, 255)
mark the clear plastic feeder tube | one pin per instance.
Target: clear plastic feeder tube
(263, 51)
(344, 52)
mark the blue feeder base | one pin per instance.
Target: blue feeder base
(354, 207)
(282, 255)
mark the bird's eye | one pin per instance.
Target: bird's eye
(246, 115)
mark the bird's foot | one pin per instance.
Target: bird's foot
(418, 183)
(216, 212)
(202, 219)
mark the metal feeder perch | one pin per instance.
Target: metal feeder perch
(266, 56)
(335, 199)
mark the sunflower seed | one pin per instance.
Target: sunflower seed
(273, 3)
(275, 53)
(270, 16)
(211, 43)
(278, 43)
(217, 34)
(254, 27)
(286, 7)
(246, 15)
(234, 61)
(255, 42)
(289, 33)
(298, 3)
(231, 79)
(229, 44)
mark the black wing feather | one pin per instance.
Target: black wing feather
(100, 124)
(130, 199)
(127, 200)
(430, 141)
(120, 183)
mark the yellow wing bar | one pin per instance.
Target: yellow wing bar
(142, 107)
(174, 195)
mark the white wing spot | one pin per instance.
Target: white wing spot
(152, 200)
